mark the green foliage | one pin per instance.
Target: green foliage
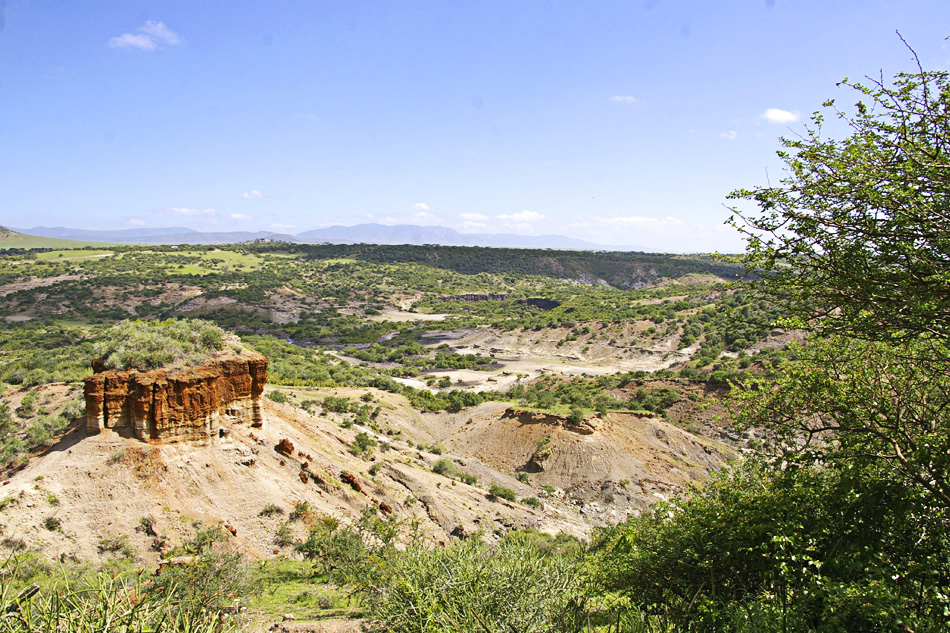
(518, 585)
(301, 512)
(145, 345)
(210, 576)
(469, 587)
(500, 492)
(270, 510)
(101, 603)
(808, 546)
(884, 402)
(447, 468)
(337, 404)
(855, 239)
(576, 416)
(27, 408)
(277, 396)
(842, 523)
(363, 444)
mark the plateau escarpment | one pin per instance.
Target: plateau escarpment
(177, 404)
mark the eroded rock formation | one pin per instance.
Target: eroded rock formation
(178, 404)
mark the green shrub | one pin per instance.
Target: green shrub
(277, 396)
(337, 404)
(363, 443)
(214, 577)
(501, 492)
(270, 510)
(445, 467)
(283, 536)
(301, 512)
(532, 502)
(471, 588)
(145, 345)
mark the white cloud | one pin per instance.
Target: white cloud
(473, 221)
(777, 115)
(186, 211)
(136, 222)
(659, 232)
(522, 221)
(160, 32)
(420, 206)
(130, 40)
(420, 217)
(731, 135)
(239, 216)
(623, 99)
(150, 37)
(253, 193)
(522, 217)
(637, 220)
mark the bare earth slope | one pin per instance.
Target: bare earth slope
(99, 487)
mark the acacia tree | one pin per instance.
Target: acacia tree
(855, 239)
(854, 244)
(850, 529)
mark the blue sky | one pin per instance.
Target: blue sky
(615, 122)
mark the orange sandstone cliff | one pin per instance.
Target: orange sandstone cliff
(177, 404)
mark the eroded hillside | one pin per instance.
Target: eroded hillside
(87, 492)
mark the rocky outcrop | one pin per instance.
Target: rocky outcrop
(588, 425)
(472, 297)
(177, 404)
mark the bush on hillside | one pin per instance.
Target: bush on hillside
(145, 345)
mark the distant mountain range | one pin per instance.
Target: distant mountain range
(358, 234)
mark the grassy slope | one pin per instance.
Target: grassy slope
(11, 239)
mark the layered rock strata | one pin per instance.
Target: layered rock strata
(178, 404)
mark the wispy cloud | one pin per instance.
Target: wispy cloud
(253, 193)
(420, 206)
(522, 217)
(636, 220)
(777, 115)
(419, 217)
(149, 37)
(731, 135)
(623, 99)
(657, 232)
(521, 221)
(239, 216)
(186, 211)
(473, 221)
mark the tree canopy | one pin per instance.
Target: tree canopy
(842, 523)
(855, 238)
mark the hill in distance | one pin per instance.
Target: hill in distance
(358, 234)
(14, 239)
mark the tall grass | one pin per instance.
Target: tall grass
(103, 605)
